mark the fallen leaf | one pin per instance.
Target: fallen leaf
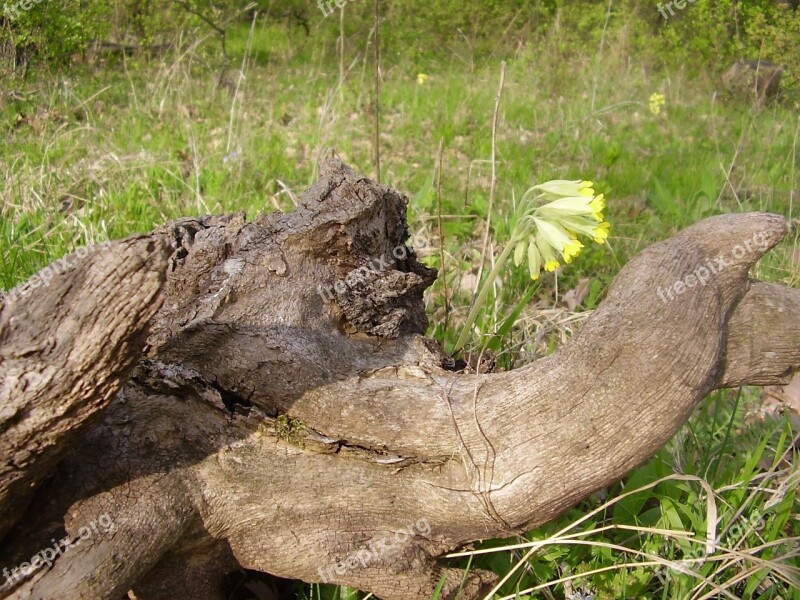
(468, 282)
(575, 296)
(776, 399)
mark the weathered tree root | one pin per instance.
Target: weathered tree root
(286, 423)
(66, 349)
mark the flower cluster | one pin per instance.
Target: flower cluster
(656, 102)
(547, 224)
(549, 231)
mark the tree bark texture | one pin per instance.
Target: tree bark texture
(225, 394)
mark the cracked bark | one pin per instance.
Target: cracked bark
(199, 459)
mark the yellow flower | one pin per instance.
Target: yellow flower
(656, 102)
(601, 233)
(552, 229)
(597, 205)
(534, 257)
(564, 188)
(555, 236)
(571, 250)
(534, 261)
(574, 206)
(422, 78)
(545, 230)
(590, 228)
(549, 257)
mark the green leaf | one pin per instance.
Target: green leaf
(497, 340)
(629, 508)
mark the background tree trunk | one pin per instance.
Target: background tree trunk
(288, 415)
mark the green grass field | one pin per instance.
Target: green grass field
(105, 152)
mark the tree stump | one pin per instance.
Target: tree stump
(225, 394)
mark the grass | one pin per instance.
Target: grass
(103, 153)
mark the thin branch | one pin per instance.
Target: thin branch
(493, 188)
(221, 31)
(377, 91)
(443, 274)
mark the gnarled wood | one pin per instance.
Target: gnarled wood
(68, 338)
(302, 427)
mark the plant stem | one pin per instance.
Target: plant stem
(480, 300)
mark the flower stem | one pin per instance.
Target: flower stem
(484, 293)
